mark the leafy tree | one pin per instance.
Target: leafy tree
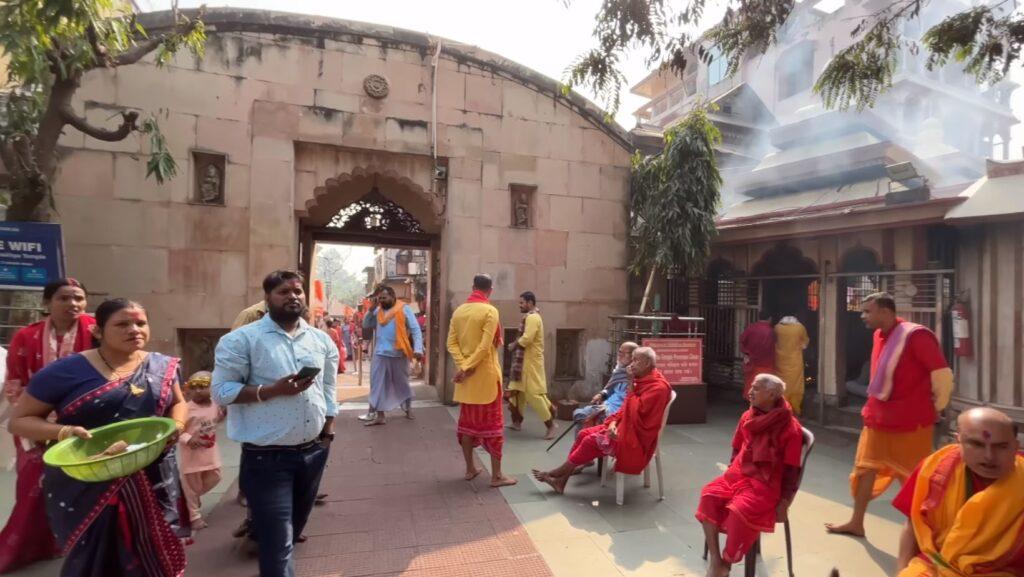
(675, 197)
(50, 46)
(985, 39)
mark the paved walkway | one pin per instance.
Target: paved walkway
(396, 506)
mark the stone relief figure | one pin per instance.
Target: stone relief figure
(521, 211)
(210, 186)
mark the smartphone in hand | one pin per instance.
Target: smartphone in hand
(307, 372)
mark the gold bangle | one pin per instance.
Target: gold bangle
(63, 432)
(179, 425)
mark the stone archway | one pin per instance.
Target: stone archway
(376, 206)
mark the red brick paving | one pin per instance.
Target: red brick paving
(397, 506)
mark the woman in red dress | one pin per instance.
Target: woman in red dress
(66, 330)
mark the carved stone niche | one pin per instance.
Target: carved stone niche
(568, 343)
(197, 348)
(208, 184)
(522, 205)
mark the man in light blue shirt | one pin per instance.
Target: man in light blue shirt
(399, 341)
(284, 421)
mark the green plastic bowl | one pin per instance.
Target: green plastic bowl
(72, 455)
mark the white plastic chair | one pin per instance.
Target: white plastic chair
(608, 464)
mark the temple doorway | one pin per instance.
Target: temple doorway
(355, 238)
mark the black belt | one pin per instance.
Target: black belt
(302, 447)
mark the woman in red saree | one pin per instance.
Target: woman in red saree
(132, 526)
(67, 329)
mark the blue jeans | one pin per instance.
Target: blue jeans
(281, 487)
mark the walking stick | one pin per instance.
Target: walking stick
(564, 433)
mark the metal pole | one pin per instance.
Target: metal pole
(823, 291)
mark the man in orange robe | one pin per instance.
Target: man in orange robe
(910, 383)
(965, 504)
(756, 490)
(631, 434)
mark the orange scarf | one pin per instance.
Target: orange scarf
(397, 314)
(479, 297)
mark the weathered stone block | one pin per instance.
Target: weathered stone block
(566, 213)
(86, 173)
(584, 179)
(603, 216)
(553, 176)
(614, 183)
(272, 181)
(229, 137)
(551, 248)
(402, 135)
(451, 88)
(588, 250)
(495, 207)
(210, 228)
(464, 197)
(484, 94)
(130, 180)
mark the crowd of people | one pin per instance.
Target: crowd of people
(274, 380)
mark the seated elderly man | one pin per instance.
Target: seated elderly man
(631, 434)
(965, 504)
(762, 478)
(609, 400)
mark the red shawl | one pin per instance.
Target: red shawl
(26, 354)
(768, 434)
(640, 421)
(479, 297)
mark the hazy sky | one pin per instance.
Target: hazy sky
(544, 35)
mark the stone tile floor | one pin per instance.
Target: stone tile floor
(397, 506)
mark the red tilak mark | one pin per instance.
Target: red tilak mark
(986, 434)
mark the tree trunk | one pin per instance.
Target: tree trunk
(647, 291)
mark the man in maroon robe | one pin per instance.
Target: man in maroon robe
(631, 434)
(757, 343)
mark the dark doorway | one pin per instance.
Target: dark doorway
(853, 339)
(790, 287)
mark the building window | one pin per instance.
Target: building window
(795, 70)
(718, 68)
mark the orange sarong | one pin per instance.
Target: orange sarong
(891, 455)
(958, 534)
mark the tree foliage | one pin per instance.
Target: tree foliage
(50, 45)
(985, 39)
(675, 196)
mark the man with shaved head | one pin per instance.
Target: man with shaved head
(762, 478)
(631, 434)
(965, 503)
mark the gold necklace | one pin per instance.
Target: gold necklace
(136, 391)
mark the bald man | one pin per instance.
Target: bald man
(965, 504)
(631, 434)
(761, 481)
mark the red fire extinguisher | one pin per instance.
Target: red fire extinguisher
(961, 317)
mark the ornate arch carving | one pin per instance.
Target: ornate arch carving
(396, 198)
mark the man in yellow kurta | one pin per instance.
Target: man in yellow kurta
(473, 340)
(965, 504)
(528, 385)
(790, 341)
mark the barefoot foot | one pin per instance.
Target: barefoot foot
(516, 426)
(849, 528)
(551, 434)
(470, 475)
(503, 481)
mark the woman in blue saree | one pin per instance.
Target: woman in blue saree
(132, 526)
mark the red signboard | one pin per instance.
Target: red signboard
(680, 360)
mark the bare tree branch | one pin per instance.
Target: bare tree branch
(137, 52)
(129, 117)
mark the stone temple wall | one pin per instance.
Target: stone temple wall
(283, 99)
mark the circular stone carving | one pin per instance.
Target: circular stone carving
(376, 86)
